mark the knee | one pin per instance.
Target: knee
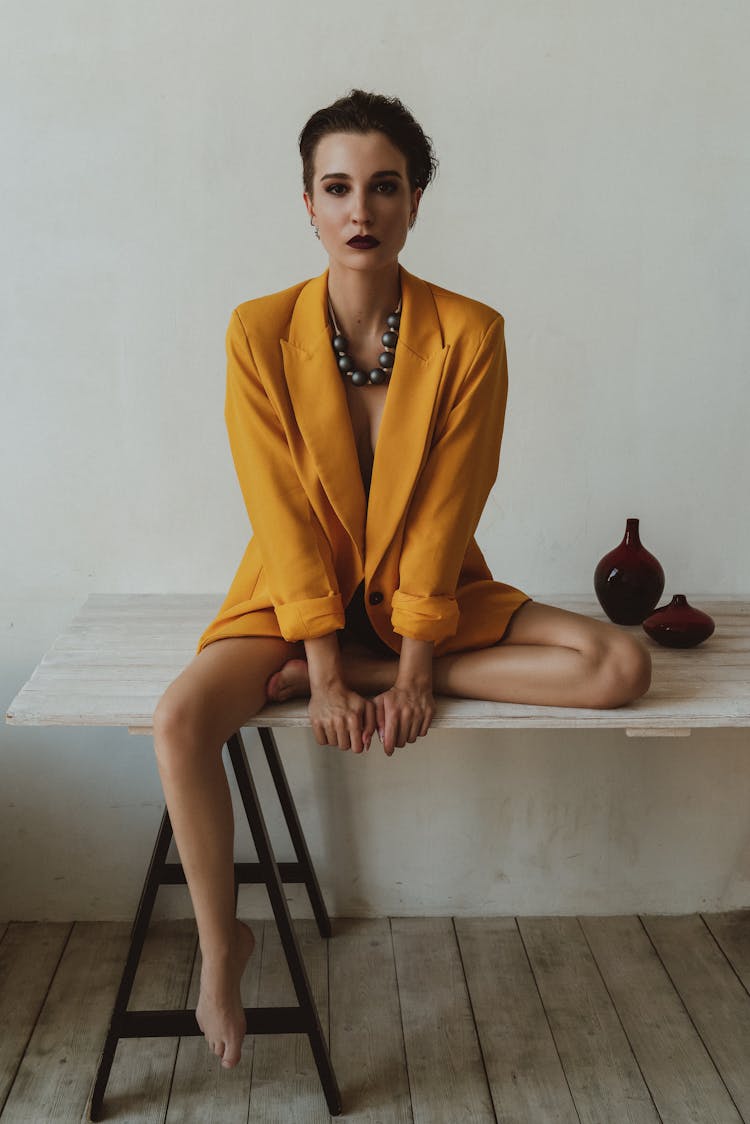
(625, 672)
(178, 730)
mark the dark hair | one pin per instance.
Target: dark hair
(363, 112)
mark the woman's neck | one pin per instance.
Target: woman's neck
(363, 299)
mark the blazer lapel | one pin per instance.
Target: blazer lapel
(320, 405)
(409, 416)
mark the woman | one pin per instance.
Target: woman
(372, 555)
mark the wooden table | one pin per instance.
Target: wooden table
(116, 658)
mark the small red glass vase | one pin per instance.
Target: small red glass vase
(678, 624)
(629, 581)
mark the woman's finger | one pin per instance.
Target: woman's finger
(331, 736)
(342, 733)
(355, 733)
(414, 727)
(390, 729)
(320, 733)
(370, 723)
(406, 720)
(429, 714)
(380, 717)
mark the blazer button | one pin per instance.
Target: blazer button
(376, 598)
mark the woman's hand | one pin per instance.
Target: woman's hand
(404, 712)
(341, 717)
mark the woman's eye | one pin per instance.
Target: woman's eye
(389, 185)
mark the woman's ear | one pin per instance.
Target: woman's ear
(415, 205)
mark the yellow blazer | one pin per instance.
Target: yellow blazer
(316, 534)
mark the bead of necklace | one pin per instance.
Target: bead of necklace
(386, 359)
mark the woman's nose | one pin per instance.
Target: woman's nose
(360, 207)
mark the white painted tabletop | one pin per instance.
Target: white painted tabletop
(118, 655)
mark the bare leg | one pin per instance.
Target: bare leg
(548, 657)
(221, 688)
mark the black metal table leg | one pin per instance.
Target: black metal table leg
(137, 938)
(284, 922)
(295, 829)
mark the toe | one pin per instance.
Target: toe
(232, 1055)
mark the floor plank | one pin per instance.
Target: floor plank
(58, 1067)
(286, 1088)
(203, 1092)
(602, 1073)
(367, 1042)
(526, 1078)
(678, 1071)
(29, 954)
(141, 1078)
(731, 931)
(446, 1072)
(714, 997)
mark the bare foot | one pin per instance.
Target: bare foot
(289, 682)
(219, 1012)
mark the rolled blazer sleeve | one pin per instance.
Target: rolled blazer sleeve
(450, 495)
(295, 553)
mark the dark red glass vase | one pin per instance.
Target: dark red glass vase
(678, 624)
(629, 581)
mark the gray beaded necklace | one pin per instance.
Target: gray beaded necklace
(386, 359)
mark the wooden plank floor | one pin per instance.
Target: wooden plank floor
(543, 1020)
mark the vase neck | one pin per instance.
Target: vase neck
(632, 537)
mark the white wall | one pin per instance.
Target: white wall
(594, 187)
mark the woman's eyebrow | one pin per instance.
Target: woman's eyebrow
(346, 176)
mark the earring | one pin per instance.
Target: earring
(312, 224)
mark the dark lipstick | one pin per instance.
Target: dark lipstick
(360, 243)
